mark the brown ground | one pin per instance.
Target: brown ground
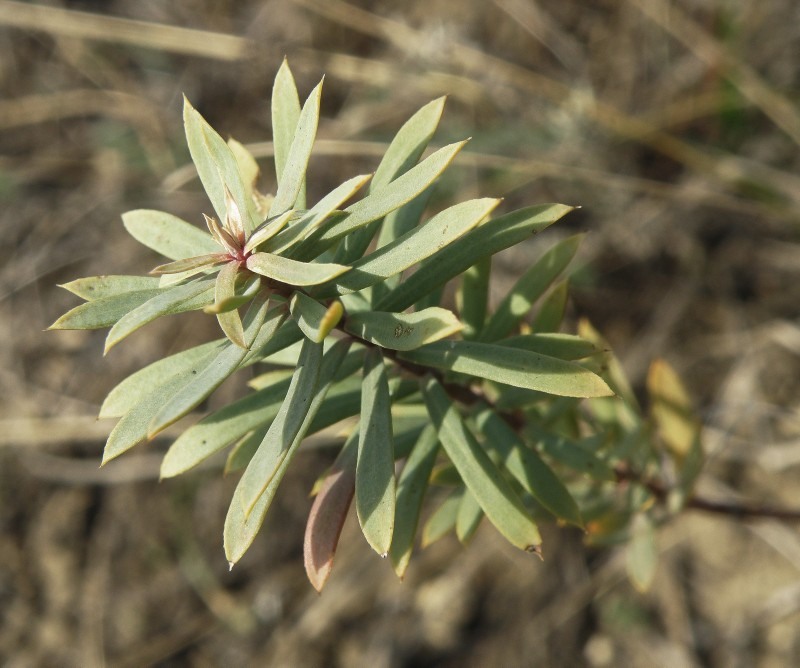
(677, 132)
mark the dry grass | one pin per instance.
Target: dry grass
(674, 124)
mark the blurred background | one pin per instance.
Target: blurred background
(674, 125)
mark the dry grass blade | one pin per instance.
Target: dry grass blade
(85, 25)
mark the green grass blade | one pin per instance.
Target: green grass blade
(375, 481)
(511, 366)
(293, 272)
(493, 492)
(403, 331)
(411, 489)
(293, 175)
(483, 241)
(532, 285)
(99, 287)
(168, 235)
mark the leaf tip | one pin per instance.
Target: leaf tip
(535, 549)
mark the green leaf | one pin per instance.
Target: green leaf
(230, 322)
(135, 387)
(528, 469)
(493, 492)
(284, 428)
(217, 167)
(472, 297)
(285, 114)
(99, 287)
(609, 367)
(485, 240)
(103, 312)
(179, 299)
(468, 518)
(416, 245)
(384, 200)
(317, 214)
(443, 519)
(551, 312)
(532, 285)
(246, 290)
(375, 482)
(577, 455)
(212, 376)
(247, 165)
(240, 530)
(313, 318)
(291, 180)
(267, 230)
(293, 272)
(328, 513)
(563, 346)
(168, 235)
(519, 368)
(403, 331)
(194, 264)
(642, 553)
(410, 492)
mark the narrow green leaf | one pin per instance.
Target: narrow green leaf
(286, 333)
(293, 272)
(609, 367)
(191, 264)
(241, 530)
(551, 312)
(99, 287)
(217, 167)
(212, 376)
(494, 494)
(528, 469)
(410, 492)
(230, 322)
(443, 519)
(267, 230)
(642, 553)
(168, 235)
(327, 515)
(563, 346)
(179, 299)
(416, 245)
(384, 200)
(284, 428)
(245, 291)
(285, 114)
(314, 319)
(485, 240)
(375, 482)
(403, 331)
(135, 387)
(472, 297)
(532, 285)
(103, 312)
(247, 165)
(577, 455)
(519, 368)
(293, 175)
(468, 518)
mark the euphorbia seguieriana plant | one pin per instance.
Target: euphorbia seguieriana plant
(336, 308)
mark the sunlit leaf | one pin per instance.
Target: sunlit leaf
(285, 114)
(99, 287)
(293, 272)
(267, 230)
(103, 312)
(230, 321)
(493, 492)
(248, 167)
(551, 312)
(554, 344)
(403, 331)
(168, 235)
(245, 292)
(191, 264)
(516, 367)
(487, 239)
(532, 285)
(315, 319)
(375, 482)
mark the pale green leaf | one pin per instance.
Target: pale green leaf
(284, 428)
(290, 182)
(245, 292)
(285, 114)
(468, 518)
(642, 553)
(103, 312)
(247, 165)
(552, 309)
(314, 319)
(493, 492)
(240, 530)
(179, 299)
(410, 492)
(293, 272)
(403, 331)
(230, 322)
(415, 245)
(472, 297)
(135, 387)
(443, 519)
(191, 265)
(168, 235)
(99, 287)
(267, 230)
(485, 240)
(516, 367)
(554, 344)
(528, 469)
(375, 482)
(213, 376)
(532, 285)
